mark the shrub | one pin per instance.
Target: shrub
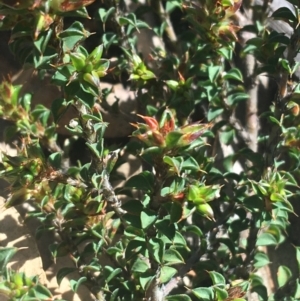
(208, 175)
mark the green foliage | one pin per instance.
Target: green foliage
(176, 236)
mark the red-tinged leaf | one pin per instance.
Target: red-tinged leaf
(150, 121)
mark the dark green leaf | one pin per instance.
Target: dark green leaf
(62, 273)
(285, 14)
(176, 212)
(58, 108)
(55, 160)
(221, 293)
(6, 253)
(166, 228)
(136, 246)
(194, 229)
(133, 207)
(143, 181)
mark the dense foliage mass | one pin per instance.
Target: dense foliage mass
(214, 189)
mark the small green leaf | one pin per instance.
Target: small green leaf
(277, 197)
(156, 248)
(146, 278)
(174, 162)
(266, 239)
(73, 35)
(110, 273)
(190, 164)
(95, 55)
(146, 75)
(125, 21)
(40, 292)
(236, 98)
(172, 84)
(204, 293)
(172, 139)
(194, 229)
(76, 283)
(148, 217)
(203, 194)
(105, 14)
(217, 279)
(235, 74)
(78, 60)
(221, 293)
(213, 72)
(261, 259)
(171, 256)
(179, 239)
(166, 273)
(139, 266)
(284, 274)
(214, 112)
(6, 253)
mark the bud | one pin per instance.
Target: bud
(192, 132)
(78, 60)
(92, 78)
(95, 55)
(179, 197)
(167, 122)
(158, 138)
(150, 121)
(68, 5)
(228, 32)
(18, 197)
(205, 210)
(43, 23)
(17, 279)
